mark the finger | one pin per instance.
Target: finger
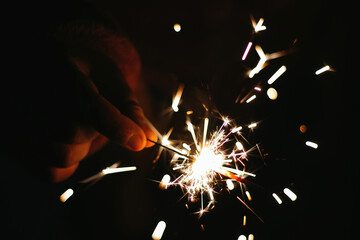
(108, 120)
(135, 112)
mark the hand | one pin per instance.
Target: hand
(100, 105)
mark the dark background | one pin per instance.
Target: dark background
(206, 56)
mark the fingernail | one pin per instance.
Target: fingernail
(135, 142)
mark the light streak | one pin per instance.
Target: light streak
(312, 144)
(248, 195)
(251, 98)
(246, 51)
(290, 194)
(261, 62)
(117, 170)
(323, 69)
(257, 89)
(239, 146)
(66, 195)
(276, 75)
(176, 100)
(277, 198)
(272, 93)
(238, 172)
(252, 125)
(244, 220)
(259, 27)
(250, 209)
(177, 27)
(237, 129)
(159, 230)
(206, 125)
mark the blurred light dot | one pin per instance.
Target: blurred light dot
(177, 27)
(303, 128)
(272, 93)
(242, 237)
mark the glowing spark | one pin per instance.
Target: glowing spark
(251, 98)
(244, 220)
(165, 181)
(239, 146)
(276, 197)
(229, 184)
(311, 144)
(251, 237)
(250, 209)
(272, 93)
(252, 125)
(259, 27)
(257, 89)
(242, 237)
(261, 62)
(117, 170)
(159, 230)
(277, 74)
(206, 125)
(290, 194)
(248, 195)
(234, 130)
(303, 128)
(246, 51)
(187, 147)
(238, 172)
(66, 195)
(323, 69)
(191, 130)
(177, 98)
(177, 27)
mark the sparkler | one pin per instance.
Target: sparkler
(200, 168)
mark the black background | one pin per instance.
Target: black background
(206, 56)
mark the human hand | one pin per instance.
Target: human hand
(101, 105)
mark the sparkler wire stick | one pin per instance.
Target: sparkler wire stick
(171, 149)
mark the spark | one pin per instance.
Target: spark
(312, 144)
(165, 181)
(242, 237)
(117, 170)
(246, 51)
(261, 62)
(290, 194)
(251, 236)
(251, 98)
(66, 195)
(259, 27)
(159, 230)
(244, 220)
(176, 100)
(200, 172)
(177, 27)
(248, 195)
(272, 93)
(323, 69)
(277, 74)
(252, 125)
(229, 184)
(250, 209)
(237, 129)
(277, 198)
(257, 89)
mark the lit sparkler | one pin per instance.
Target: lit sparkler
(201, 169)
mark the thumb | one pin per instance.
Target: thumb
(109, 121)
